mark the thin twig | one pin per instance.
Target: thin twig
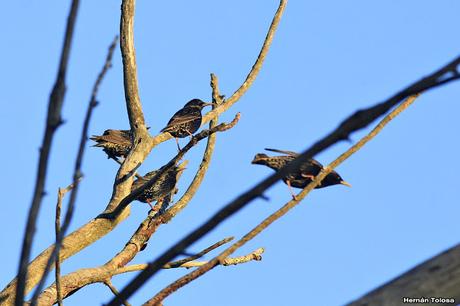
(53, 121)
(57, 228)
(280, 212)
(180, 262)
(247, 82)
(77, 175)
(230, 261)
(114, 290)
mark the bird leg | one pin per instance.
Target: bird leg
(290, 190)
(177, 142)
(150, 204)
(309, 176)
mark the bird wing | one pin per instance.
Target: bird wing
(290, 153)
(181, 117)
(117, 138)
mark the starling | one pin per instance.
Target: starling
(302, 177)
(116, 143)
(163, 187)
(186, 121)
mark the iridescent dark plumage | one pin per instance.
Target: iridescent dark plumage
(301, 178)
(186, 121)
(116, 143)
(161, 188)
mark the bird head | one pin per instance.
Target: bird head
(333, 178)
(197, 103)
(260, 159)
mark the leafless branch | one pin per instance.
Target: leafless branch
(160, 296)
(77, 175)
(180, 262)
(280, 212)
(53, 121)
(247, 82)
(57, 228)
(230, 261)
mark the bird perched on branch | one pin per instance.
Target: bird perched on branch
(302, 177)
(164, 186)
(186, 121)
(116, 143)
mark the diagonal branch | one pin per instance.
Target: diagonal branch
(53, 121)
(247, 82)
(158, 298)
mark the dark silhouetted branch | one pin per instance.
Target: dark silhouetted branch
(53, 121)
(77, 175)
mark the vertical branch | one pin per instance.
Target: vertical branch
(128, 53)
(77, 175)
(53, 121)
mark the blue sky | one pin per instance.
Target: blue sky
(328, 59)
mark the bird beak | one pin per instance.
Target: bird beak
(208, 104)
(345, 183)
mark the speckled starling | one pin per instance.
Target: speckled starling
(301, 178)
(186, 121)
(116, 143)
(164, 186)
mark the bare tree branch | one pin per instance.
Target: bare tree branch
(230, 261)
(57, 228)
(279, 213)
(53, 121)
(180, 262)
(247, 82)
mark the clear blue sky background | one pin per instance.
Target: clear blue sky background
(328, 59)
